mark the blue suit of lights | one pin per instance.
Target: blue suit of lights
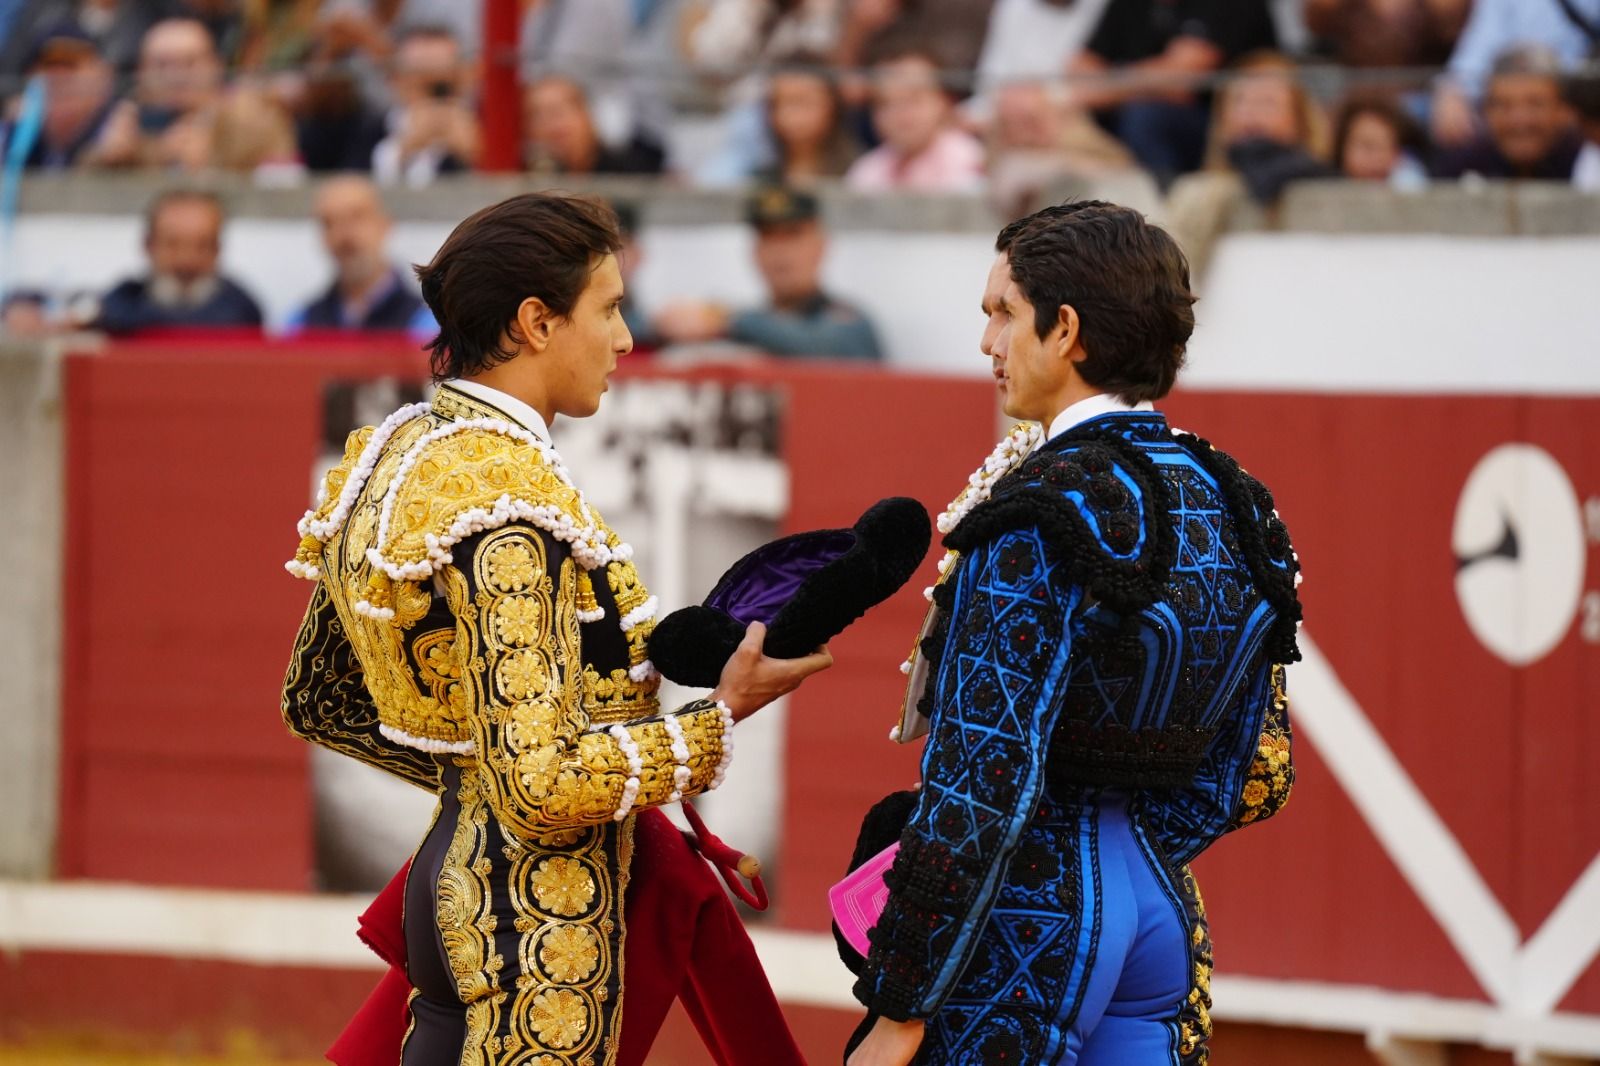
(1102, 697)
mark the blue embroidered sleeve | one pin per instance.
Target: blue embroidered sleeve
(1246, 777)
(997, 691)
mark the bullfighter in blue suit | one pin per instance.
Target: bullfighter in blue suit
(1099, 680)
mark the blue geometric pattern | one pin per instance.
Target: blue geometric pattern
(1043, 695)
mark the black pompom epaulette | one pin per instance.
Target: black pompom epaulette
(1123, 557)
(1268, 551)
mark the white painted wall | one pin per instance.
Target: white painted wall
(1289, 310)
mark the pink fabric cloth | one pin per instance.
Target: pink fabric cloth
(952, 163)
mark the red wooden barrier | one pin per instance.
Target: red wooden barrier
(188, 467)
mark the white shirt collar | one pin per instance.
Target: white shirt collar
(1102, 403)
(513, 408)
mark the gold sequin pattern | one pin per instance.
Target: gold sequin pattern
(1270, 777)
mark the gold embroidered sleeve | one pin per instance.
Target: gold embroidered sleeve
(325, 699)
(514, 595)
(1270, 777)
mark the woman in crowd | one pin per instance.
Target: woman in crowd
(1266, 131)
(1374, 140)
(1266, 128)
(796, 132)
(806, 123)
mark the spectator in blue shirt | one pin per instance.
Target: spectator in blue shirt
(368, 291)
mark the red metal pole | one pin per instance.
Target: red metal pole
(501, 103)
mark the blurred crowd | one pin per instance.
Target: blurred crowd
(1005, 98)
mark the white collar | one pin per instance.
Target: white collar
(509, 405)
(1101, 403)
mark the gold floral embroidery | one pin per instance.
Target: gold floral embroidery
(517, 620)
(559, 1017)
(569, 953)
(563, 886)
(536, 771)
(465, 913)
(1271, 775)
(439, 656)
(512, 568)
(1194, 1020)
(522, 674)
(617, 697)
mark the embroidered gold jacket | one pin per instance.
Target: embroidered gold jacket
(476, 627)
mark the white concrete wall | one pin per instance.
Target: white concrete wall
(1279, 310)
(30, 607)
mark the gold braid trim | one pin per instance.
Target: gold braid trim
(546, 766)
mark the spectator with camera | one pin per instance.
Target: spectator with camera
(432, 127)
(183, 117)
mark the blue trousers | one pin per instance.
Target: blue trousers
(1085, 958)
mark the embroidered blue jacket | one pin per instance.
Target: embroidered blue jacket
(1116, 619)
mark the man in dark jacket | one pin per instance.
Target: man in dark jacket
(368, 292)
(1531, 130)
(183, 240)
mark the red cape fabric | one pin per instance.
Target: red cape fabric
(685, 941)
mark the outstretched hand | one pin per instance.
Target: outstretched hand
(751, 680)
(889, 1044)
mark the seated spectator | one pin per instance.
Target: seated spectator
(183, 241)
(432, 127)
(368, 291)
(560, 136)
(25, 313)
(1531, 132)
(1037, 138)
(181, 115)
(77, 98)
(1583, 94)
(1144, 72)
(1267, 129)
(922, 149)
(115, 27)
(806, 120)
(802, 319)
(798, 131)
(1374, 140)
(1387, 33)
(1569, 28)
(1266, 133)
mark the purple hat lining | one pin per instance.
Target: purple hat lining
(766, 579)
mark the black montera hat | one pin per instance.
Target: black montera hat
(777, 205)
(807, 589)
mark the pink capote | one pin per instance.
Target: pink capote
(685, 941)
